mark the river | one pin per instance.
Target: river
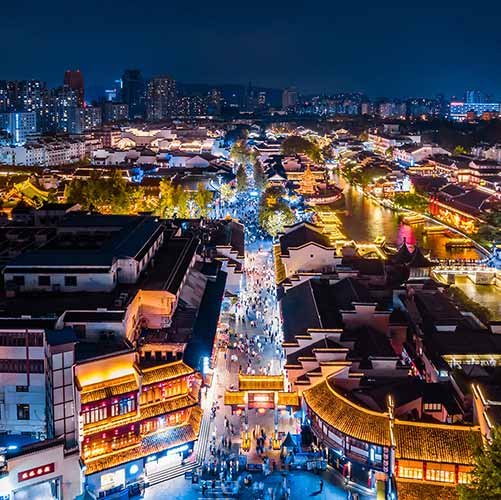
(364, 220)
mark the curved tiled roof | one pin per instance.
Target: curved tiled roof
(108, 389)
(435, 442)
(261, 383)
(347, 417)
(431, 442)
(173, 404)
(153, 443)
(166, 372)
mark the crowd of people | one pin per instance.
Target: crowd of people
(257, 321)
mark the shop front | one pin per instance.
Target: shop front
(115, 480)
(40, 470)
(49, 489)
(167, 459)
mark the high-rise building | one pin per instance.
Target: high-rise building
(74, 80)
(20, 125)
(29, 95)
(114, 112)
(289, 99)
(62, 99)
(132, 92)
(191, 105)
(161, 98)
(460, 111)
(83, 119)
(475, 97)
(4, 95)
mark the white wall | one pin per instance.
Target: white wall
(35, 398)
(65, 467)
(310, 257)
(88, 282)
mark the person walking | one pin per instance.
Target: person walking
(321, 485)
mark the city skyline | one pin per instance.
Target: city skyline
(326, 49)
(250, 250)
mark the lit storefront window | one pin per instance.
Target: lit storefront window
(410, 470)
(464, 477)
(439, 475)
(113, 479)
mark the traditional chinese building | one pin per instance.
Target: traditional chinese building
(386, 446)
(134, 420)
(318, 193)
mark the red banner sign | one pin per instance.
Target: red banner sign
(35, 472)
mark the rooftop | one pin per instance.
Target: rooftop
(440, 443)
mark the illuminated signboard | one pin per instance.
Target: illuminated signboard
(35, 472)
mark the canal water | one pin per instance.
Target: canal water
(364, 220)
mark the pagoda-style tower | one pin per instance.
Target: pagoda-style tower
(308, 183)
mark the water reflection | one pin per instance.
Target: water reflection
(365, 220)
(488, 296)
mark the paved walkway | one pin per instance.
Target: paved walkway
(255, 321)
(300, 484)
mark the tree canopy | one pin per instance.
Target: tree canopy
(412, 201)
(173, 200)
(242, 181)
(259, 175)
(226, 192)
(460, 150)
(486, 482)
(240, 153)
(274, 212)
(111, 194)
(296, 144)
(202, 199)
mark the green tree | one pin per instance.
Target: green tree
(272, 195)
(226, 192)
(168, 198)
(486, 482)
(242, 181)
(460, 150)
(120, 196)
(111, 194)
(202, 199)
(295, 144)
(273, 219)
(259, 175)
(328, 152)
(240, 153)
(182, 202)
(411, 201)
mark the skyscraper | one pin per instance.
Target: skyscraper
(74, 80)
(132, 92)
(289, 98)
(161, 98)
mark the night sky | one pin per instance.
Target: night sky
(382, 48)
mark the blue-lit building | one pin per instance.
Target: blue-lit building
(20, 125)
(458, 110)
